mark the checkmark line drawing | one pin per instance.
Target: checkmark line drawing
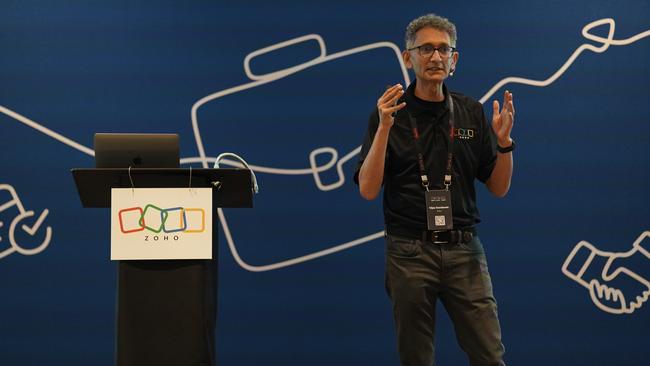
(37, 225)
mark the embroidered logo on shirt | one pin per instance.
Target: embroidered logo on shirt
(464, 133)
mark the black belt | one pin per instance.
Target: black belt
(462, 235)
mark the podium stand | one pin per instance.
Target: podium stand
(166, 309)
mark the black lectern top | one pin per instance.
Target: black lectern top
(232, 186)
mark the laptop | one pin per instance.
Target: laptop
(136, 150)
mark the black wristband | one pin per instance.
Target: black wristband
(508, 149)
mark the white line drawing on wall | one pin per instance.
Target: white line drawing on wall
(605, 43)
(30, 230)
(39, 127)
(601, 291)
(314, 170)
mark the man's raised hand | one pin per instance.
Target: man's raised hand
(386, 105)
(503, 120)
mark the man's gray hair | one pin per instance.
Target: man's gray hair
(431, 21)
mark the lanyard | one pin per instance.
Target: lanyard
(416, 136)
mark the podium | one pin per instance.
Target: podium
(166, 309)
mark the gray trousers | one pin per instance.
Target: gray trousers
(418, 274)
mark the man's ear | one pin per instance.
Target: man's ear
(406, 56)
(454, 62)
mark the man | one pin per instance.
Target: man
(426, 146)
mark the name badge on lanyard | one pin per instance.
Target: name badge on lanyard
(439, 215)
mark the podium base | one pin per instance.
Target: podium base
(166, 312)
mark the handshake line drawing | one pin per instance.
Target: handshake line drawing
(620, 287)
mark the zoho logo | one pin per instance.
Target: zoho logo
(155, 219)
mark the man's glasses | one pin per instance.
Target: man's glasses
(427, 50)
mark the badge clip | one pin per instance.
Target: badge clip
(425, 182)
(447, 181)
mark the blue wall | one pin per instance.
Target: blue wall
(581, 170)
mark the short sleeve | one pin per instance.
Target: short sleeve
(373, 125)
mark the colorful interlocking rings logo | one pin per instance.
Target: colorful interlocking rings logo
(170, 220)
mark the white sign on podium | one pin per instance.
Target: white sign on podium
(161, 223)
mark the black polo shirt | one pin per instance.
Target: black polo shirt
(474, 150)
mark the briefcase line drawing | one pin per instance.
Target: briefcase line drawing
(314, 169)
(262, 79)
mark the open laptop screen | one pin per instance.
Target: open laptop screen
(137, 150)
